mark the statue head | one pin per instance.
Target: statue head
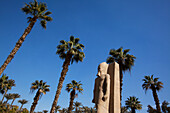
(102, 68)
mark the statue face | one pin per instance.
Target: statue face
(102, 69)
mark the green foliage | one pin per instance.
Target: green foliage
(76, 86)
(133, 103)
(125, 60)
(150, 82)
(72, 48)
(165, 108)
(6, 84)
(37, 10)
(41, 86)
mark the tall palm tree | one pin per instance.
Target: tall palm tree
(57, 108)
(133, 103)
(154, 85)
(14, 96)
(77, 106)
(42, 88)
(36, 11)
(70, 51)
(22, 102)
(125, 61)
(5, 85)
(74, 88)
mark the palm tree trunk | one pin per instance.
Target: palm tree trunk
(155, 96)
(36, 98)
(76, 109)
(21, 107)
(61, 80)
(71, 101)
(4, 96)
(121, 81)
(12, 102)
(133, 110)
(18, 45)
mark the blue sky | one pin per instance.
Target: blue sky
(140, 25)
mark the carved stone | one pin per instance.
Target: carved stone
(107, 89)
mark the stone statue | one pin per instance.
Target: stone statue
(107, 88)
(102, 89)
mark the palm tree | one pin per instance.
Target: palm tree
(70, 51)
(165, 107)
(86, 109)
(23, 101)
(64, 110)
(8, 97)
(5, 85)
(154, 85)
(14, 96)
(125, 61)
(77, 106)
(37, 11)
(75, 88)
(57, 108)
(133, 103)
(42, 89)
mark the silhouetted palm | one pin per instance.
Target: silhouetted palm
(154, 85)
(22, 102)
(42, 89)
(36, 11)
(165, 107)
(133, 103)
(77, 106)
(8, 97)
(14, 96)
(5, 85)
(125, 61)
(75, 88)
(70, 51)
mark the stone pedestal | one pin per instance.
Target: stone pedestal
(114, 104)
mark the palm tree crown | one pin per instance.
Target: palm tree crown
(76, 86)
(133, 103)
(37, 11)
(125, 60)
(150, 82)
(77, 105)
(5, 84)
(72, 48)
(23, 101)
(8, 97)
(41, 86)
(14, 96)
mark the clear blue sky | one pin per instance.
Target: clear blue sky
(140, 25)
